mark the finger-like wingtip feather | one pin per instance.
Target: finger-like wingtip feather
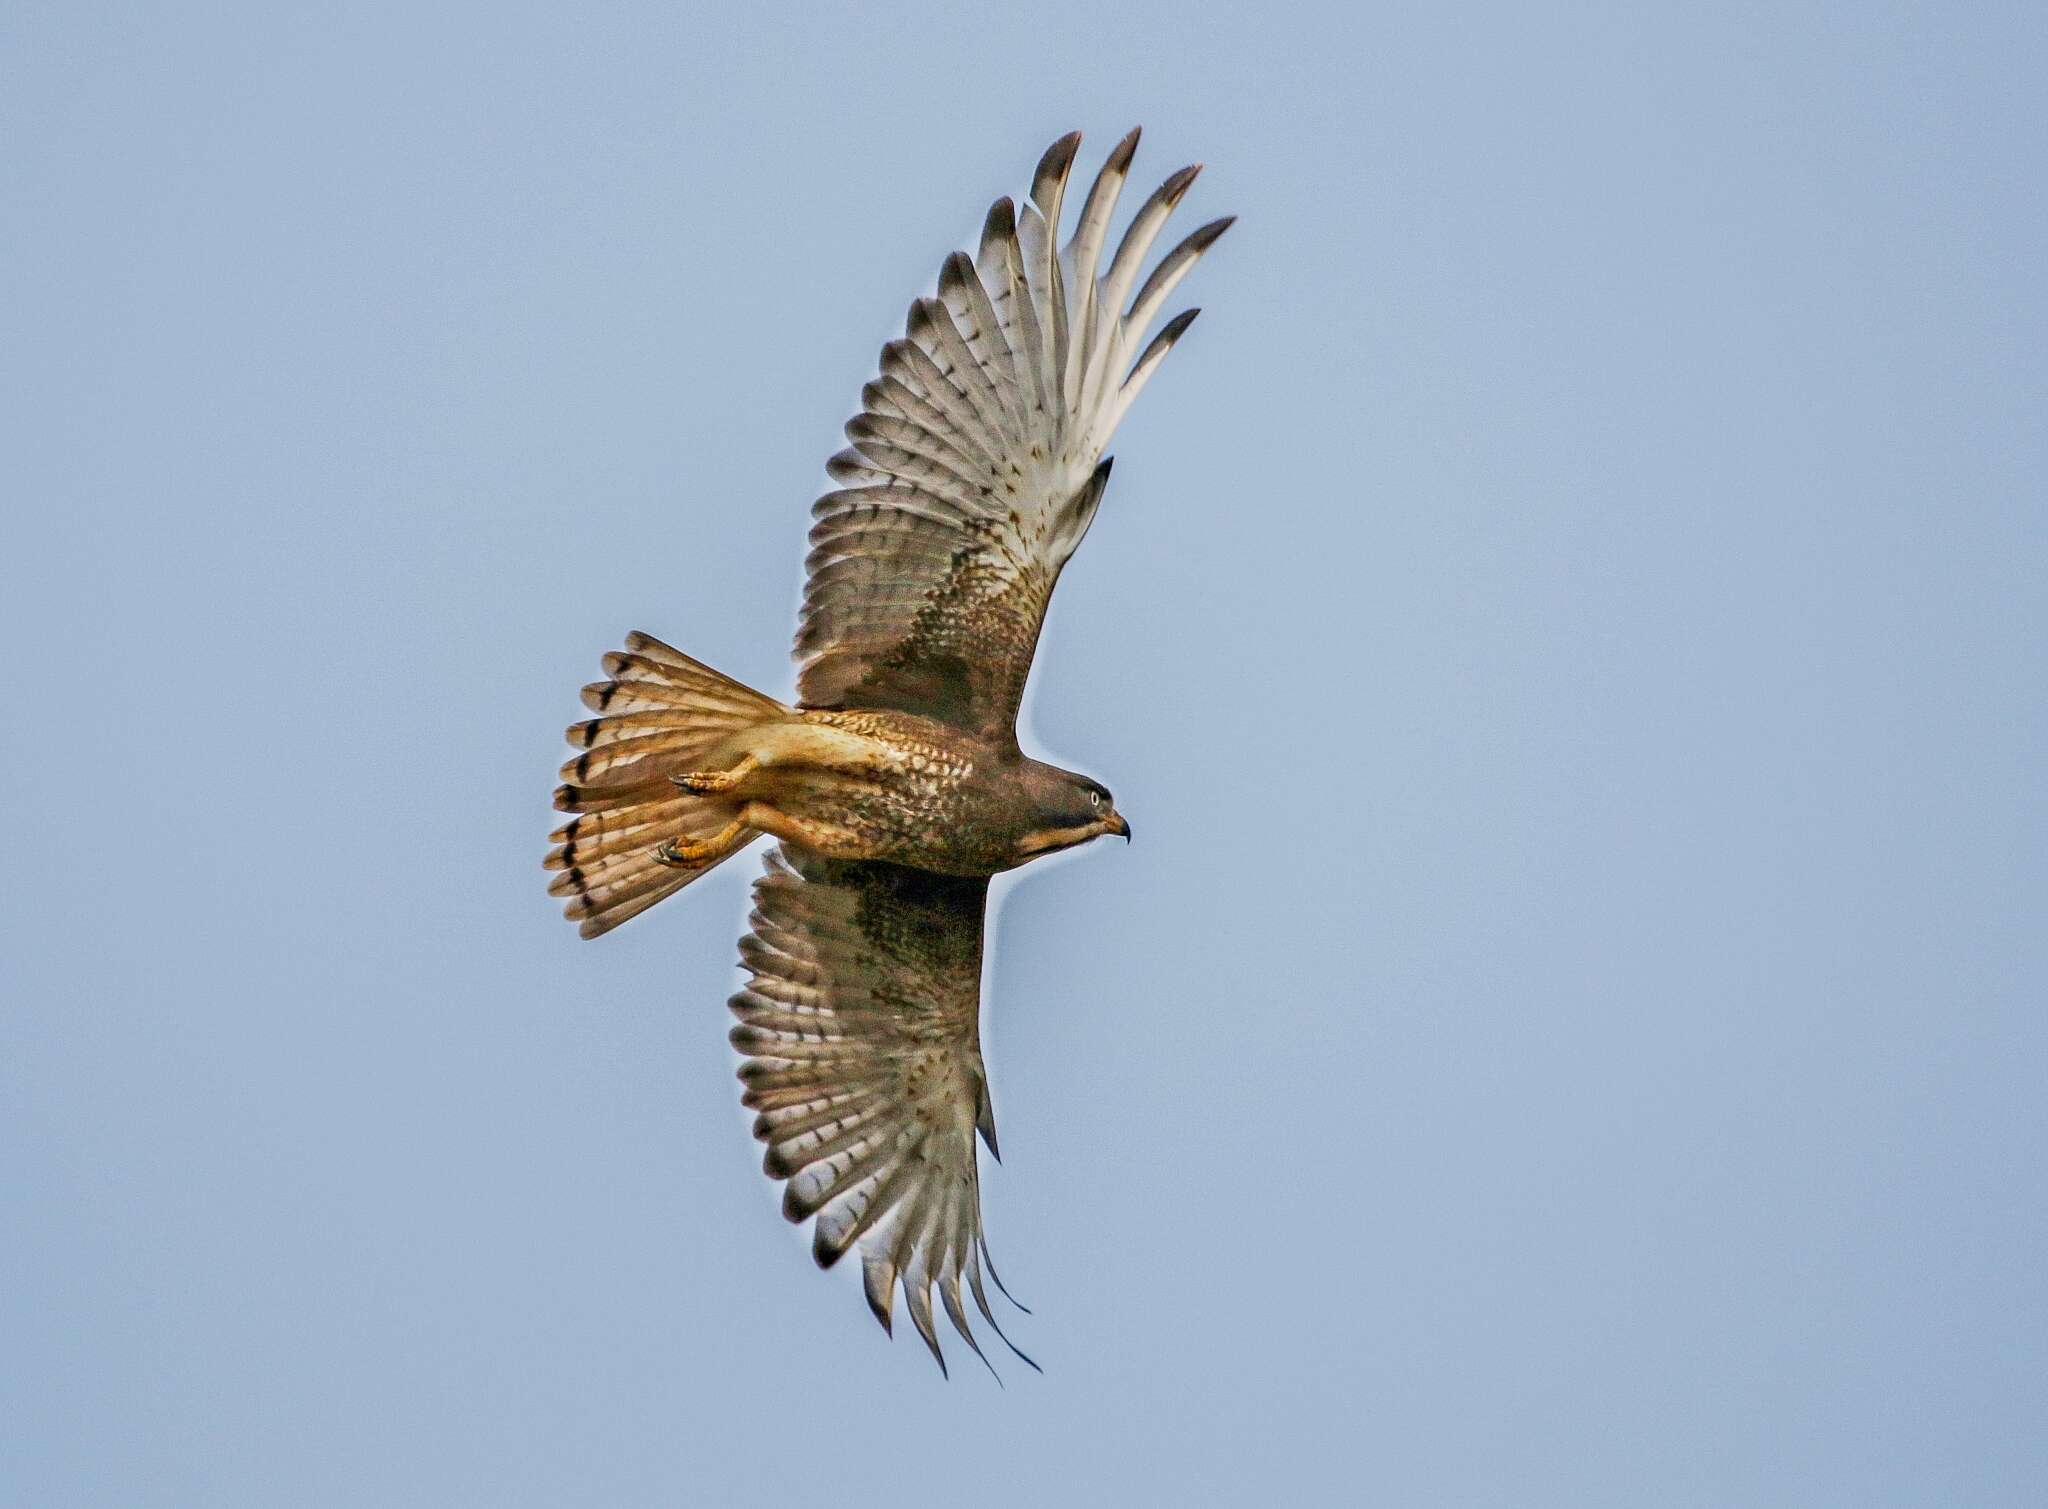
(988, 1313)
(917, 1299)
(1173, 330)
(985, 1123)
(878, 1282)
(1146, 365)
(1000, 226)
(1051, 176)
(956, 1312)
(989, 1262)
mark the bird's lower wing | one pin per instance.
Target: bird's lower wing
(863, 1066)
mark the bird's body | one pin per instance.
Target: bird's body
(895, 783)
(899, 787)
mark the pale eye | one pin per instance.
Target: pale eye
(1095, 800)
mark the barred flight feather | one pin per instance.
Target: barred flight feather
(863, 1065)
(987, 423)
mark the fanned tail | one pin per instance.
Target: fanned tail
(662, 712)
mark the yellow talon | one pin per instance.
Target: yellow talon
(682, 853)
(695, 854)
(714, 782)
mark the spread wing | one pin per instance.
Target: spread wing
(976, 461)
(860, 1027)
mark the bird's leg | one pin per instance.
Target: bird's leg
(696, 854)
(833, 840)
(714, 782)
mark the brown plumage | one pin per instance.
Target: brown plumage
(895, 783)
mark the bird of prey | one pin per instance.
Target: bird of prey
(894, 782)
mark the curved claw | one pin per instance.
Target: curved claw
(681, 853)
(714, 782)
(700, 854)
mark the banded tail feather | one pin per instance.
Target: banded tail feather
(660, 713)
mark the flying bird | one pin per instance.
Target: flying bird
(894, 782)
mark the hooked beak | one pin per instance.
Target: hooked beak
(1117, 824)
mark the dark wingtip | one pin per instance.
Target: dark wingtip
(792, 1208)
(1048, 182)
(1059, 156)
(1002, 218)
(1175, 188)
(989, 1262)
(1020, 1354)
(985, 1121)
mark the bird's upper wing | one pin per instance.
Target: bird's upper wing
(860, 1027)
(973, 470)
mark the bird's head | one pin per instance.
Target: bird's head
(1067, 809)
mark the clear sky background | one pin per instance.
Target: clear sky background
(1569, 626)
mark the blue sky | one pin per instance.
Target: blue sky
(1568, 626)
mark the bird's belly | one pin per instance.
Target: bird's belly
(901, 817)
